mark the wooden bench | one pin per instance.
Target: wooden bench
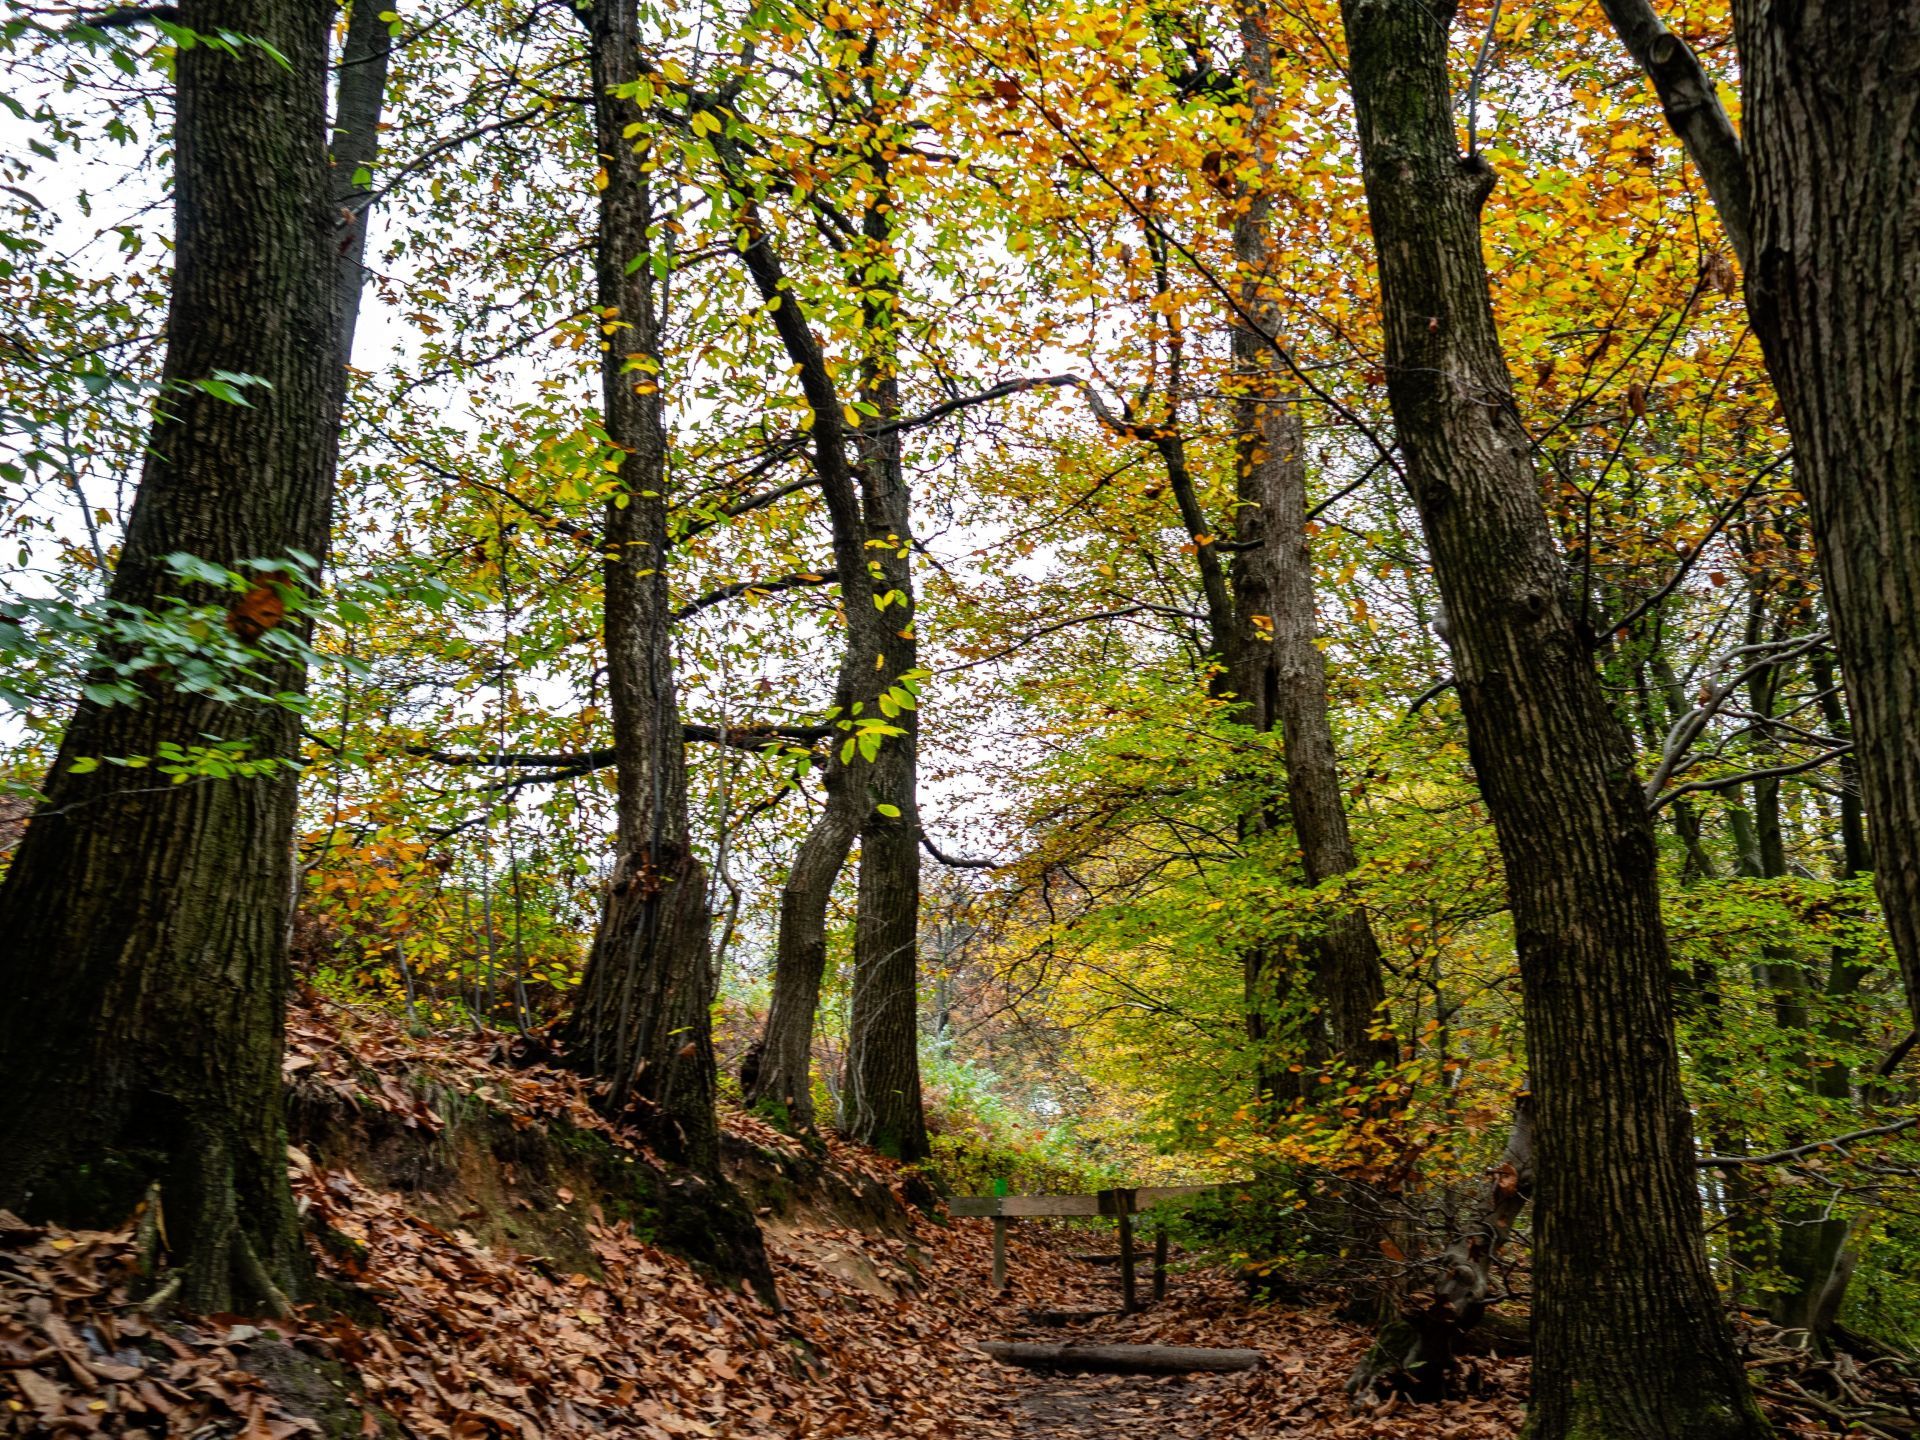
(1120, 1203)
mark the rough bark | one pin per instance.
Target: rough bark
(783, 1075)
(869, 509)
(883, 1100)
(642, 1021)
(1832, 135)
(1284, 685)
(143, 973)
(1630, 1336)
(1823, 214)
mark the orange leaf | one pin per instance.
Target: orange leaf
(256, 612)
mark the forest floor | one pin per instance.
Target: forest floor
(584, 1329)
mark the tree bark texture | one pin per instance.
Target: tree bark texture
(868, 506)
(1630, 1336)
(143, 971)
(784, 1074)
(642, 1022)
(1832, 146)
(1285, 684)
(883, 1098)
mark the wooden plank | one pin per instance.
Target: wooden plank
(1099, 1258)
(1021, 1206)
(1129, 1299)
(1120, 1359)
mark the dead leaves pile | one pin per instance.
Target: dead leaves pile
(458, 1341)
(478, 1344)
(77, 1358)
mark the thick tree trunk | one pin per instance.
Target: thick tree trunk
(1832, 141)
(143, 971)
(883, 1100)
(642, 1022)
(1630, 1336)
(1821, 202)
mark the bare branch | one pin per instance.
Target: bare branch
(1772, 772)
(1838, 1142)
(1693, 112)
(957, 862)
(800, 581)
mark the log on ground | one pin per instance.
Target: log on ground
(1120, 1359)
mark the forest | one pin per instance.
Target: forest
(643, 642)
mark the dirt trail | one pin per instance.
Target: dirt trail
(1080, 1407)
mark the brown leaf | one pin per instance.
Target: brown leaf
(256, 612)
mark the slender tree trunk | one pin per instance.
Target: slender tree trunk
(1283, 682)
(642, 1022)
(882, 1108)
(1630, 1337)
(1813, 1245)
(784, 1065)
(359, 99)
(144, 967)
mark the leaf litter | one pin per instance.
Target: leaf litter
(452, 1339)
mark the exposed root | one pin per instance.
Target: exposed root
(255, 1274)
(157, 1303)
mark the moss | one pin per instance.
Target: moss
(314, 1387)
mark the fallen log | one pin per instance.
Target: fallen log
(1110, 1259)
(1120, 1359)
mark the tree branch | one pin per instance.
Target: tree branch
(756, 587)
(1693, 112)
(957, 862)
(1727, 782)
(1811, 1147)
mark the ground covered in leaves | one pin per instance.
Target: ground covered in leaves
(437, 1333)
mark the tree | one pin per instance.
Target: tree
(642, 1021)
(1629, 1334)
(144, 968)
(1819, 196)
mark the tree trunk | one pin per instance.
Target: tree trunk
(883, 1103)
(359, 99)
(1832, 128)
(642, 1022)
(143, 976)
(784, 1074)
(1821, 197)
(1630, 1336)
(1284, 685)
